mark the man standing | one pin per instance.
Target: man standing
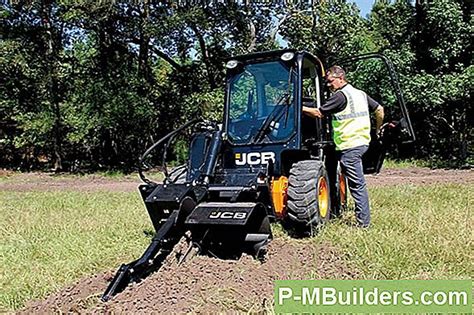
(350, 108)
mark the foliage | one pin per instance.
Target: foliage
(330, 29)
(436, 79)
(88, 86)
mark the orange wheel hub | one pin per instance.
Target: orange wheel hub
(342, 189)
(323, 197)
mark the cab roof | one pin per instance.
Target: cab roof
(274, 54)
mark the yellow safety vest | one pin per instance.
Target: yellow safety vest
(351, 127)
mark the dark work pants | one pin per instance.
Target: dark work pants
(351, 162)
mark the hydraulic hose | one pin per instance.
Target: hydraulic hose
(169, 137)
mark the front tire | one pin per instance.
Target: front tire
(309, 201)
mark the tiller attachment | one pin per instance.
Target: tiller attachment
(226, 230)
(218, 229)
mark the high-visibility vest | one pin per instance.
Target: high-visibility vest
(351, 127)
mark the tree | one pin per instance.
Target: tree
(91, 85)
(329, 29)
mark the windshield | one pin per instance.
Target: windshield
(261, 103)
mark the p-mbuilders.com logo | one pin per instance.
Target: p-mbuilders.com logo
(373, 296)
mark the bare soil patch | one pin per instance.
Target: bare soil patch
(206, 284)
(54, 182)
(10, 181)
(420, 176)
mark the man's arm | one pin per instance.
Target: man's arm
(312, 112)
(334, 104)
(378, 111)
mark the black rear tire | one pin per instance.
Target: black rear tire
(309, 201)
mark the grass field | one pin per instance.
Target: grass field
(417, 233)
(388, 163)
(50, 239)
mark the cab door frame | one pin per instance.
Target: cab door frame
(373, 159)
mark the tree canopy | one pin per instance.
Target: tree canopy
(89, 85)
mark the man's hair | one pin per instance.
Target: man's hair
(336, 72)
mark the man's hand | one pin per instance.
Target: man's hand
(388, 125)
(312, 112)
(380, 132)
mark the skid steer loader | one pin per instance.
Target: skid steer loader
(265, 161)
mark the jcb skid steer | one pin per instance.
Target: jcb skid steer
(266, 161)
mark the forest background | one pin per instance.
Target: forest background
(87, 86)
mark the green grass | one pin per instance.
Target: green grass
(50, 239)
(417, 233)
(388, 163)
(120, 175)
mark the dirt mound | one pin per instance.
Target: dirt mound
(206, 284)
(77, 298)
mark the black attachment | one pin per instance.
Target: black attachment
(226, 230)
(153, 258)
(162, 200)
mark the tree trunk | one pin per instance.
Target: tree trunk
(144, 43)
(51, 57)
(205, 56)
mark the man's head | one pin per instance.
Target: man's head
(336, 77)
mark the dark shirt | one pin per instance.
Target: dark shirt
(337, 103)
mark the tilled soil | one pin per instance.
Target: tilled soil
(206, 284)
(77, 298)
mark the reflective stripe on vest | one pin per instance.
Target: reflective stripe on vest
(351, 127)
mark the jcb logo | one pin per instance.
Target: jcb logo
(228, 215)
(254, 158)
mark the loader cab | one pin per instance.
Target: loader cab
(261, 93)
(264, 95)
(263, 112)
(263, 118)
